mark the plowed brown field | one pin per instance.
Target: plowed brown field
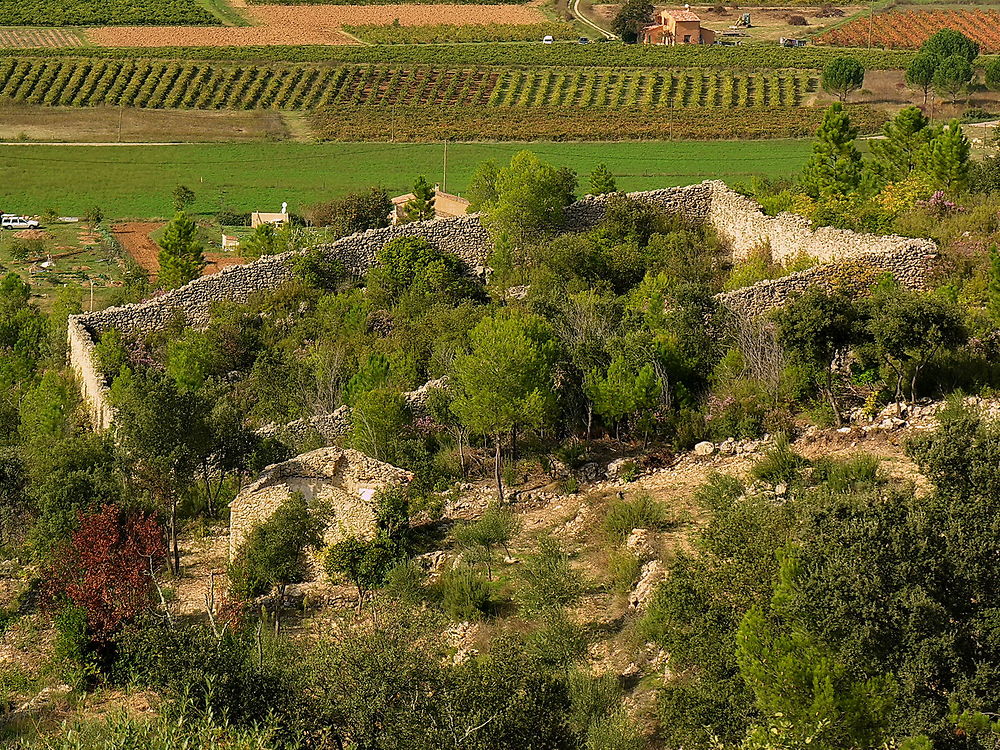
(334, 16)
(135, 238)
(229, 36)
(21, 38)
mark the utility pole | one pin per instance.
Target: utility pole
(121, 115)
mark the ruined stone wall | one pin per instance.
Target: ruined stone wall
(341, 484)
(745, 229)
(910, 264)
(739, 222)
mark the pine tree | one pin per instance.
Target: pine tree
(906, 146)
(952, 76)
(835, 166)
(421, 206)
(602, 181)
(949, 157)
(181, 254)
(920, 73)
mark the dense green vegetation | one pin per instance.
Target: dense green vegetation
(105, 13)
(853, 613)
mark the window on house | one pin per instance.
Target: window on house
(687, 39)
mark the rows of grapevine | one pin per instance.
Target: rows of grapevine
(104, 13)
(379, 123)
(910, 29)
(744, 57)
(161, 84)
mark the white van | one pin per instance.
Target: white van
(547, 39)
(13, 221)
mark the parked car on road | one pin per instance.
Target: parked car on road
(547, 39)
(13, 221)
(583, 40)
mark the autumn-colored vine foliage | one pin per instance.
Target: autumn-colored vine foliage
(105, 567)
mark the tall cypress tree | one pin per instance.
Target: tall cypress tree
(835, 166)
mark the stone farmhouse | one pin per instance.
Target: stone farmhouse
(677, 27)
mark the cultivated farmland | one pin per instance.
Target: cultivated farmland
(103, 12)
(494, 32)
(334, 16)
(910, 29)
(136, 180)
(219, 36)
(21, 38)
(161, 84)
(421, 124)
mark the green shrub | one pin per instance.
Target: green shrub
(73, 649)
(640, 512)
(559, 642)
(465, 594)
(405, 583)
(616, 732)
(547, 580)
(779, 464)
(592, 699)
(848, 475)
(719, 492)
(273, 553)
(624, 568)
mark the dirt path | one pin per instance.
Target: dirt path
(134, 237)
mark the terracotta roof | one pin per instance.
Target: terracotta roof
(682, 15)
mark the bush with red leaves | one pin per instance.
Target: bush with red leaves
(105, 568)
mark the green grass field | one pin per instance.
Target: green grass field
(136, 181)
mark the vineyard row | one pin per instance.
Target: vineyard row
(161, 84)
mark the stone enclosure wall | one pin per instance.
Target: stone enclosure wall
(854, 260)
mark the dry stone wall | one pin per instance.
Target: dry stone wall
(745, 228)
(845, 257)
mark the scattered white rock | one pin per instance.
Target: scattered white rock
(639, 544)
(704, 448)
(618, 467)
(651, 575)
